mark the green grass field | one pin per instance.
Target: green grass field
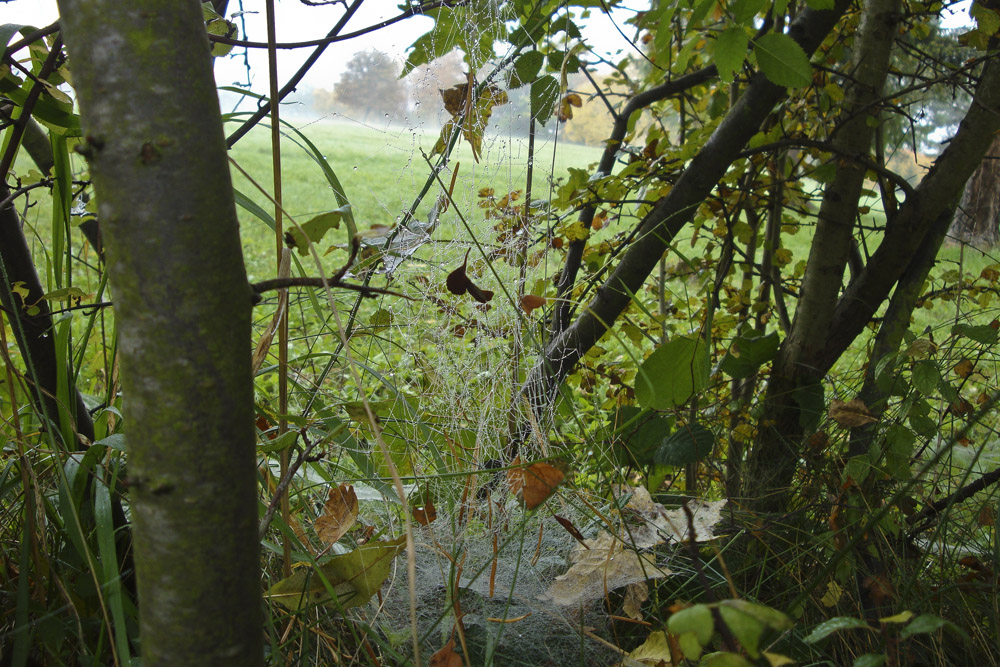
(382, 171)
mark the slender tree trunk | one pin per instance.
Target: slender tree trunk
(144, 81)
(977, 217)
(795, 377)
(774, 457)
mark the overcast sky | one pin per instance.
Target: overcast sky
(295, 22)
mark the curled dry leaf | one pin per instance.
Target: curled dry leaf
(850, 414)
(535, 483)
(529, 302)
(571, 529)
(459, 283)
(454, 98)
(339, 514)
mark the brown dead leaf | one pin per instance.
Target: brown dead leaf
(425, 514)
(459, 283)
(571, 529)
(535, 483)
(339, 514)
(529, 302)
(454, 98)
(446, 656)
(964, 368)
(850, 414)
(879, 588)
(987, 516)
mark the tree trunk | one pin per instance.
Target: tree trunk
(795, 377)
(775, 454)
(978, 214)
(143, 76)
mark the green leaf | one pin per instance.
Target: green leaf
(870, 660)
(772, 618)
(315, 228)
(983, 333)
(65, 293)
(820, 5)
(835, 624)
(351, 578)
(640, 441)
(748, 353)
(746, 628)
(724, 659)
(7, 31)
(544, 94)
(729, 51)
(927, 623)
(987, 19)
(700, 12)
(812, 405)
(439, 41)
(685, 445)
(697, 620)
(899, 442)
(782, 60)
(745, 10)
(526, 68)
(671, 375)
(925, 377)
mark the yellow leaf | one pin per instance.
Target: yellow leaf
(575, 231)
(964, 368)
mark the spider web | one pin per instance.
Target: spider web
(443, 371)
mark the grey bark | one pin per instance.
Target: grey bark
(143, 77)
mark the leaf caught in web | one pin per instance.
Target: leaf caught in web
(339, 514)
(850, 414)
(459, 283)
(529, 302)
(315, 228)
(656, 524)
(352, 578)
(535, 483)
(605, 565)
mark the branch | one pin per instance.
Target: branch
(918, 217)
(574, 253)
(283, 283)
(672, 213)
(863, 160)
(332, 38)
(963, 494)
